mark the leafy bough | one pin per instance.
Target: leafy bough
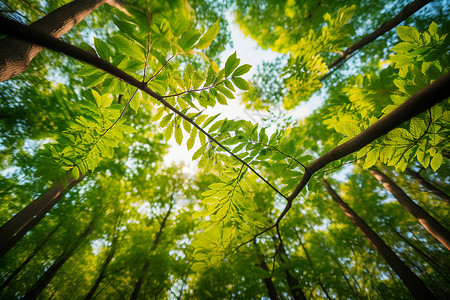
(418, 103)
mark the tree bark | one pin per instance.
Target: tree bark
(12, 231)
(146, 265)
(424, 218)
(414, 284)
(406, 12)
(293, 283)
(45, 279)
(29, 258)
(430, 187)
(16, 55)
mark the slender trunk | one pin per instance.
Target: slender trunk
(271, 290)
(424, 218)
(322, 286)
(294, 284)
(12, 231)
(29, 258)
(430, 187)
(101, 275)
(432, 262)
(146, 265)
(45, 279)
(16, 55)
(343, 271)
(414, 284)
(406, 12)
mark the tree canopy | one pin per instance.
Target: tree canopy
(349, 202)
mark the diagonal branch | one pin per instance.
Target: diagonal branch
(17, 30)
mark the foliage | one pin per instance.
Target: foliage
(225, 231)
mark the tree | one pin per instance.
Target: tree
(162, 235)
(417, 288)
(430, 224)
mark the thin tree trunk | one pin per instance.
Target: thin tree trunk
(12, 231)
(432, 262)
(406, 12)
(29, 258)
(16, 55)
(430, 187)
(322, 286)
(101, 275)
(271, 290)
(294, 288)
(146, 265)
(424, 218)
(45, 279)
(414, 284)
(343, 271)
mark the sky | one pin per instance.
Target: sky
(248, 52)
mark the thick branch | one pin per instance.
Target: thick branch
(418, 103)
(16, 55)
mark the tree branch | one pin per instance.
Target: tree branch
(17, 30)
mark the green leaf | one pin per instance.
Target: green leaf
(169, 131)
(208, 37)
(187, 76)
(199, 152)
(241, 83)
(241, 70)
(75, 172)
(221, 99)
(436, 161)
(190, 142)
(101, 48)
(225, 91)
(371, 158)
(134, 104)
(408, 34)
(128, 47)
(231, 64)
(178, 135)
(159, 114)
(189, 38)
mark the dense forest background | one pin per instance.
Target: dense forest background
(350, 202)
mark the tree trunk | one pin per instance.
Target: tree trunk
(424, 218)
(439, 268)
(101, 275)
(271, 290)
(430, 187)
(406, 12)
(12, 231)
(414, 284)
(29, 258)
(146, 265)
(343, 271)
(16, 55)
(294, 284)
(322, 286)
(45, 279)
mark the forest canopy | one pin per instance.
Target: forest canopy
(348, 201)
